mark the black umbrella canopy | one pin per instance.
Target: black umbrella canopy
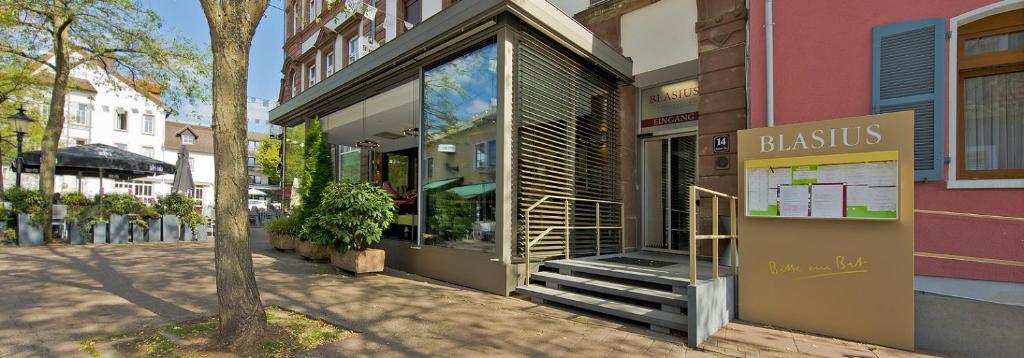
(93, 159)
(183, 177)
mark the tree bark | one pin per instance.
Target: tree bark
(232, 25)
(54, 125)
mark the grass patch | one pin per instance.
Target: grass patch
(290, 334)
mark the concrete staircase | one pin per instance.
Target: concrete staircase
(649, 297)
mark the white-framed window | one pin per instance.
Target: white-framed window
(198, 192)
(295, 85)
(485, 154)
(81, 114)
(329, 63)
(148, 151)
(188, 139)
(121, 121)
(250, 162)
(143, 190)
(353, 49)
(148, 124)
(312, 10)
(121, 146)
(986, 72)
(312, 75)
(296, 18)
(253, 145)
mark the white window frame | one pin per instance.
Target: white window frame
(198, 192)
(311, 4)
(329, 62)
(353, 51)
(148, 120)
(152, 151)
(312, 75)
(117, 121)
(83, 119)
(296, 18)
(188, 139)
(951, 119)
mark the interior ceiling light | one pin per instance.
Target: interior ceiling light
(366, 142)
(388, 135)
(411, 132)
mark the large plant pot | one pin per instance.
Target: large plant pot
(283, 242)
(154, 230)
(118, 229)
(76, 233)
(29, 233)
(201, 233)
(312, 251)
(99, 233)
(138, 233)
(172, 228)
(186, 233)
(359, 262)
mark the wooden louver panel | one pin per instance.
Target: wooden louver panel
(565, 144)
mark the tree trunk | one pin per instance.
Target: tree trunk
(54, 127)
(232, 25)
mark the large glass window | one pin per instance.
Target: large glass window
(459, 101)
(350, 163)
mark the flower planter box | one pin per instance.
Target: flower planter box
(312, 251)
(186, 233)
(154, 230)
(99, 233)
(138, 233)
(359, 262)
(172, 228)
(76, 233)
(29, 233)
(118, 229)
(201, 234)
(283, 242)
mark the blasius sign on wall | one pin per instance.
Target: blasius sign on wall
(822, 138)
(668, 107)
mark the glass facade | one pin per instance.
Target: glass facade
(458, 121)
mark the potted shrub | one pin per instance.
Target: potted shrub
(146, 225)
(30, 208)
(283, 232)
(96, 219)
(351, 217)
(77, 205)
(118, 207)
(177, 208)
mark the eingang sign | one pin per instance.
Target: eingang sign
(670, 106)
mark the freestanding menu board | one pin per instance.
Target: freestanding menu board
(837, 186)
(827, 227)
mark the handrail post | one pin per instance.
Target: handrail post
(622, 227)
(714, 236)
(526, 248)
(566, 229)
(733, 236)
(598, 223)
(693, 236)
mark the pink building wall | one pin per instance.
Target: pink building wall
(823, 71)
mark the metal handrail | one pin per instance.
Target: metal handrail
(597, 221)
(714, 232)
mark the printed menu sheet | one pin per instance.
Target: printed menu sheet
(841, 190)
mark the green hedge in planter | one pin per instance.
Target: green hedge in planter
(182, 206)
(31, 202)
(351, 216)
(285, 225)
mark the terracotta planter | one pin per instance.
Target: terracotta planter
(312, 251)
(359, 262)
(283, 242)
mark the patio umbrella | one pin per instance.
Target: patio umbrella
(255, 192)
(183, 177)
(99, 160)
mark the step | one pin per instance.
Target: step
(658, 319)
(637, 274)
(612, 288)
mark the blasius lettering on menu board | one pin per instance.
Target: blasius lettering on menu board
(821, 138)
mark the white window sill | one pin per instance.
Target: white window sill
(954, 183)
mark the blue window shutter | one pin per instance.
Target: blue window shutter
(907, 73)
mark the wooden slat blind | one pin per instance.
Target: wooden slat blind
(565, 144)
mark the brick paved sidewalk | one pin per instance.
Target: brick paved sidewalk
(52, 297)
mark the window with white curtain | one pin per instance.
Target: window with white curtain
(990, 123)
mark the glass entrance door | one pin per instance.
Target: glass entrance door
(669, 168)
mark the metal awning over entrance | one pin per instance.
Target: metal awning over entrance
(398, 60)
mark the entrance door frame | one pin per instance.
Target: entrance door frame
(684, 132)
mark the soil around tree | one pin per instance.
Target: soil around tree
(289, 334)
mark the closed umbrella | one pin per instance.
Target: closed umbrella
(183, 176)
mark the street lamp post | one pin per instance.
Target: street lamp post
(21, 123)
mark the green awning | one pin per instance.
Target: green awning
(469, 191)
(440, 183)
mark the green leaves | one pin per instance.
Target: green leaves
(268, 156)
(319, 170)
(285, 225)
(182, 206)
(453, 216)
(352, 216)
(32, 202)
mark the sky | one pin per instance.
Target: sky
(185, 18)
